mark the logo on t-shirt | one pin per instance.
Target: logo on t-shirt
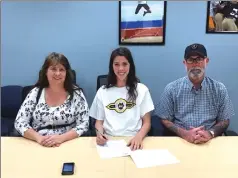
(120, 105)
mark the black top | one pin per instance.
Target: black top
(231, 11)
(221, 7)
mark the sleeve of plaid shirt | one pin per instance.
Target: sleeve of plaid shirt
(165, 107)
(226, 110)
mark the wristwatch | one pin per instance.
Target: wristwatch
(212, 133)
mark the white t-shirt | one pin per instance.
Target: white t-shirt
(121, 117)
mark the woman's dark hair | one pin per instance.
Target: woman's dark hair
(54, 59)
(132, 80)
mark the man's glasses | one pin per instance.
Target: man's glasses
(193, 60)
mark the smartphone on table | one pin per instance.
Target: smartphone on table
(68, 168)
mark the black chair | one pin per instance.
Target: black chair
(25, 91)
(74, 76)
(230, 133)
(91, 130)
(156, 126)
(101, 80)
(10, 104)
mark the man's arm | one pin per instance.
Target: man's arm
(220, 127)
(226, 111)
(188, 135)
(172, 127)
(205, 135)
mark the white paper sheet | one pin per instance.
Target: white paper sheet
(142, 158)
(151, 158)
(113, 148)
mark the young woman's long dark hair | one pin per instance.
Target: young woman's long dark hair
(132, 80)
(53, 59)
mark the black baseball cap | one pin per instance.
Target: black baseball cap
(195, 49)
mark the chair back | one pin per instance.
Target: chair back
(10, 100)
(10, 104)
(25, 91)
(74, 76)
(101, 80)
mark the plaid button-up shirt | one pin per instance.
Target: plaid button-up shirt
(187, 107)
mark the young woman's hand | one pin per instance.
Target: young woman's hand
(101, 140)
(136, 143)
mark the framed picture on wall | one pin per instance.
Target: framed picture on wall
(222, 17)
(142, 22)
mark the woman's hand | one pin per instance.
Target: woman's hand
(51, 140)
(101, 140)
(135, 143)
(40, 139)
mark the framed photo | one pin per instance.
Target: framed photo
(222, 17)
(142, 22)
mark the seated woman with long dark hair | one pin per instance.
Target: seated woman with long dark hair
(123, 106)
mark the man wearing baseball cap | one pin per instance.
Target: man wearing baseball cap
(195, 107)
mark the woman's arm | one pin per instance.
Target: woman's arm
(145, 108)
(136, 142)
(101, 137)
(33, 135)
(82, 118)
(24, 116)
(99, 126)
(70, 135)
(146, 125)
(97, 112)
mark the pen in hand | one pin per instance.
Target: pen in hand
(101, 134)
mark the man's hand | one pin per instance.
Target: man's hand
(53, 141)
(203, 136)
(191, 134)
(135, 143)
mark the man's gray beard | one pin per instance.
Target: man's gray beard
(196, 73)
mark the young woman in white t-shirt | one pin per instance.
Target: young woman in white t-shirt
(123, 106)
